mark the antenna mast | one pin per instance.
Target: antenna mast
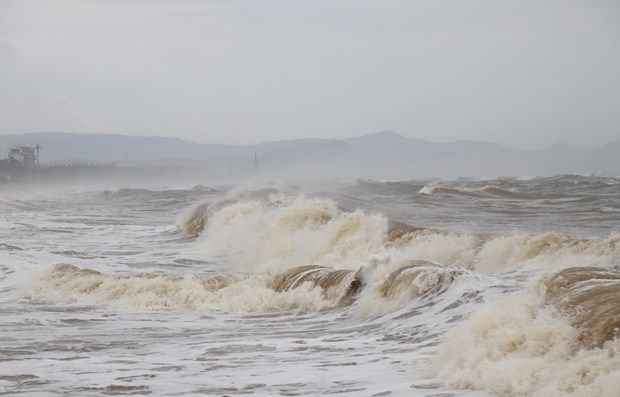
(38, 147)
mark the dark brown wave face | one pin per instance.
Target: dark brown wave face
(196, 222)
(400, 233)
(336, 284)
(416, 279)
(590, 296)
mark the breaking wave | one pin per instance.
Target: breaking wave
(193, 219)
(304, 288)
(590, 297)
(550, 340)
(283, 233)
(312, 242)
(340, 285)
(416, 279)
(154, 291)
(557, 336)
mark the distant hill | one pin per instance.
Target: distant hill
(609, 152)
(56, 146)
(389, 143)
(385, 155)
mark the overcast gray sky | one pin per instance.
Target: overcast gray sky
(522, 73)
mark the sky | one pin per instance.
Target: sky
(526, 74)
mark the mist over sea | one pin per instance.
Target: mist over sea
(464, 287)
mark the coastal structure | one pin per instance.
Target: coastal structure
(27, 156)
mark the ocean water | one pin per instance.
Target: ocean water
(418, 288)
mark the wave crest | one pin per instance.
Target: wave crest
(416, 279)
(146, 291)
(256, 293)
(520, 345)
(590, 296)
(339, 285)
(276, 236)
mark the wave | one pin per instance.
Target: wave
(66, 283)
(558, 337)
(546, 251)
(159, 198)
(523, 252)
(433, 190)
(399, 234)
(69, 283)
(340, 285)
(284, 232)
(417, 279)
(310, 239)
(485, 192)
(9, 247)
(532, 188)
(193, 219)
(519, 345)
(300, 289)
(278, 235)
(155, 194)
(287, 254)
(23, 205)
(590, 297)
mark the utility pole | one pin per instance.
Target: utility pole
(38, 147)
(255, 160)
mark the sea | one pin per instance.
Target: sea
(486, 287)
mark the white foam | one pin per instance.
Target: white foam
(520, 346)
(148, 291)
(277, 236)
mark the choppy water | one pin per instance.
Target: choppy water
(426, 288)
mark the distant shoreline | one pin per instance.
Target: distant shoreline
(83, 174)
(382, 155)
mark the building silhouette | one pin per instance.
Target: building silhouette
(25, 155)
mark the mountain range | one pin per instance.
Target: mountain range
(383, 155)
